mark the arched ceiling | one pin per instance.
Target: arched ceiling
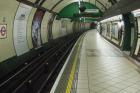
(102, 4)
(58, 5)
(72, 11)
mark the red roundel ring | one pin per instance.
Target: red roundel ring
(3, 31)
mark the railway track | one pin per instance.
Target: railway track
(38, 75)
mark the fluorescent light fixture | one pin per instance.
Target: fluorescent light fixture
(79, 5)
(136, 12)
(79, 2)
(114, 18)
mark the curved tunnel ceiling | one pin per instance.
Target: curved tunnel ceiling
(101, 4)
(58, 5)
(72, 11)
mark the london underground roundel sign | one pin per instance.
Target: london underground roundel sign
(3, 31)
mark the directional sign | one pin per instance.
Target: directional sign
(3, 31)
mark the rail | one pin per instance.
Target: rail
(66, 82)
(35, 75)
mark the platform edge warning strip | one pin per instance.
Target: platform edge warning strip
(72, 73)
(54, 88)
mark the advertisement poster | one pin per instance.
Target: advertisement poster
(20, 25)
(36, 28)
(108, 30)
(63, 27)
(115, 30)
(3, 31)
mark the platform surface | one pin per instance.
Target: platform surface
(104, 69)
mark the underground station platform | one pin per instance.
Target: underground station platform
(70, 46)
(98, 67)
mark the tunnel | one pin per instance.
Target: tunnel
(70, 46)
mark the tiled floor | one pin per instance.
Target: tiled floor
(104, 69)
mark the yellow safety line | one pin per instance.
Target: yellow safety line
(71, 78)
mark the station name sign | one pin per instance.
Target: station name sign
(92, 10)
